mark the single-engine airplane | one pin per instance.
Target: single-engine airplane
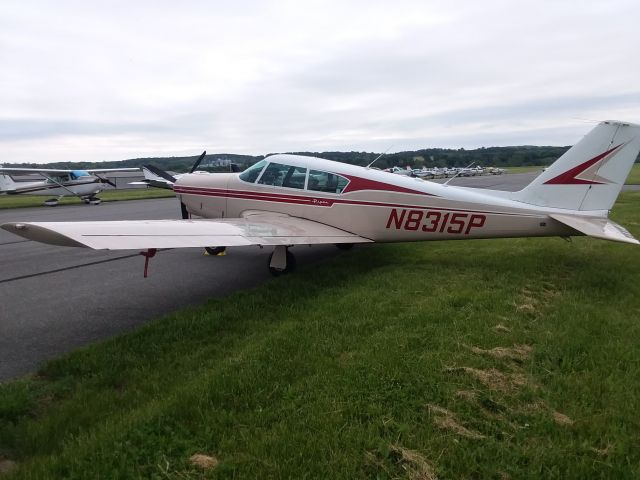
(58, 183)
(287, 200)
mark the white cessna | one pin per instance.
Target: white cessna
(288, 200)
(58, 183)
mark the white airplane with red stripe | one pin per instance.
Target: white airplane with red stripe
(288, 200)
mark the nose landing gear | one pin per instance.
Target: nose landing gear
(92, 200)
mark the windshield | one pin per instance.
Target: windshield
(253, 172)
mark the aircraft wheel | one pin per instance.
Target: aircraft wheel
(51, 202)
(95, 201)
(291, 265)
(344, 246)
(215, 250)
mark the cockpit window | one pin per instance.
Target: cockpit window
(326, 182)
(59, 178)
(280, 175)
(253, 172)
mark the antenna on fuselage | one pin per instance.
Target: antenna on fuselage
(459, 172)
(380, 156)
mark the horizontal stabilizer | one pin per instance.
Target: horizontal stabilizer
(598, 227)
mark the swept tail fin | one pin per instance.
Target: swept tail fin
(590, 175)
(6, 183)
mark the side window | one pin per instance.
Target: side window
(251, 174)
(326, 182)
(280, 175)
(274, 174)
(295, 177)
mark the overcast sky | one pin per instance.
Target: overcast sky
(110, 80)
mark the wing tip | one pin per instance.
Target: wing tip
(38, 233)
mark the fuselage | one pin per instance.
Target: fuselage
(377, 205)
(83, 186)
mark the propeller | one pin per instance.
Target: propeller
(184, 211)
(198, 161)
(161, 173)
(105, 180)
(183, 207)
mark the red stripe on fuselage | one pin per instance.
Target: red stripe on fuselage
(315, 201)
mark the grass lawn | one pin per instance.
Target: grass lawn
(634, 176)
(17, 201)
(632, 179)
(478, 359)
(527, 169)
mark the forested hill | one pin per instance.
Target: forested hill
(430, 157)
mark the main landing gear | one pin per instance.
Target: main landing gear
(215, 250)
(92, 200)
(281, 261)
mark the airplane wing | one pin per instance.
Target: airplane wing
(106, 170)
(598, 227)
(59, 171)
(254, 229)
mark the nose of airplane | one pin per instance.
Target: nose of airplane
(204, 179)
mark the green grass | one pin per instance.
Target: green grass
(527, 169)
(632, 179)
(18, 201)
(634, 176)
(343, 370)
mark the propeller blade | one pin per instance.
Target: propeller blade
(195, 165)
(160, 173)
(105, 180)
(185, 212)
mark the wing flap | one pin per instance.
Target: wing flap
(125, 235)
(598, 227)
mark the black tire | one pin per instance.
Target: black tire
(215, 250)
(344, 246)
(291, 265)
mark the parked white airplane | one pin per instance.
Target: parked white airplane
(59, 183)
(288, 200)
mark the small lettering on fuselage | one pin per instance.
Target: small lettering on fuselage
(434, 221)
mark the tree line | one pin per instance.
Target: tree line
(428, 157)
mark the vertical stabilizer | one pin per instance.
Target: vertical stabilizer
(590, 175)
(6, 183)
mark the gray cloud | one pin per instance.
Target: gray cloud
(85, 81)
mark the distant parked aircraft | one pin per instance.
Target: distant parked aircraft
(288, 200)
(58, 183)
